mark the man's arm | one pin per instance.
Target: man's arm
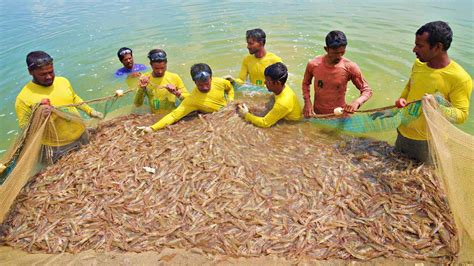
(229, 89)
(459, 98)
(139, 97)
(278, 112)
(23, 113)
(243, 73)
(361, 84)
(181, 111)
(308, 110)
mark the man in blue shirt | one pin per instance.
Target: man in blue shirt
(129, 69)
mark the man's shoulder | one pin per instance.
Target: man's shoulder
(350, 65)
(459, 71)
(316, 61)
(220, 81)
(138, 67)
(272, 56)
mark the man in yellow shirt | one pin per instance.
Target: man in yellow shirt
(433, 72)
(208, 96)
(160, 84)
(286, 104)
(45, 88)
(257, 61)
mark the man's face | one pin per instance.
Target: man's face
(127, 61)
(334, 55)
(253, 46)
(422, 48)
(204, 86)
(159, 68)
(270, 84)
(44, 75)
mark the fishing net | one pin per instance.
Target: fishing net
(353, 167)
(453, 154)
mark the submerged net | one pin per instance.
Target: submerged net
(218, 184)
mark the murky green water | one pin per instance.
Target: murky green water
(83, 38)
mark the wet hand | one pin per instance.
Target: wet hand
(45, 107)
(135, 74)
(351, 108)
(308, 111)
(145, 129)
(98, 115)
(429, 99)
(144, 80)
(229, 78)
(242, 109)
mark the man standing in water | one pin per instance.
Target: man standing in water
(208, 96)
(45, 88)
(257, 61)
(331, 73)
(160, 86)
(130, 70)
(432, 72)
(286, 105)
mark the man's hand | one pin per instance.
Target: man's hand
(352, 107)
(98, 115)
(46, 107)
(383, 114)
(242, 109)
(144, 80)
(145, 129)
(173, 90)
(308, 111)
(135, 74)
(429, 99)
(229, 78)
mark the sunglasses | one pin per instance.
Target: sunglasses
(124, 52)
(158, 56)
(43, 61)
(202, 76)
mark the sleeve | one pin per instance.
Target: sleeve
(361, 84)
(181, 87)
(139, 96)
(406, 90)
(23, 112)
(459, 97)
(306, 84)
(181, 111)
(76, 99)
(243, 73)
(278, 112)
(229, 89)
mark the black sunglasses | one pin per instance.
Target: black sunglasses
(158, 56)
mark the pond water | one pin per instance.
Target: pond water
(84, 36)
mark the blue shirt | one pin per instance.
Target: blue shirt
(125, 71)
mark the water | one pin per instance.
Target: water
(83, 38)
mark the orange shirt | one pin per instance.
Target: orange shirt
(330, 84)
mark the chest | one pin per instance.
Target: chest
(334, 78)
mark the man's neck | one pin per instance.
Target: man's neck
(440, 61)
(279, 90)
(261, 53)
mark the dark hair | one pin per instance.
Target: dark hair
(256, 34)
(277, 72)
(201, 72)
(439, 31)
(157, 55)
(123, 51)
(336, 39)
(38, 59)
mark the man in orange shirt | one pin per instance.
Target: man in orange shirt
(331, 74)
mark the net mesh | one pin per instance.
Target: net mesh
(452, 149)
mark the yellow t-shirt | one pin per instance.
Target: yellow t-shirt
(208, 102)
(255, 68)
(453, 82)
(159, 97)
(286, 107)
(62, 132)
